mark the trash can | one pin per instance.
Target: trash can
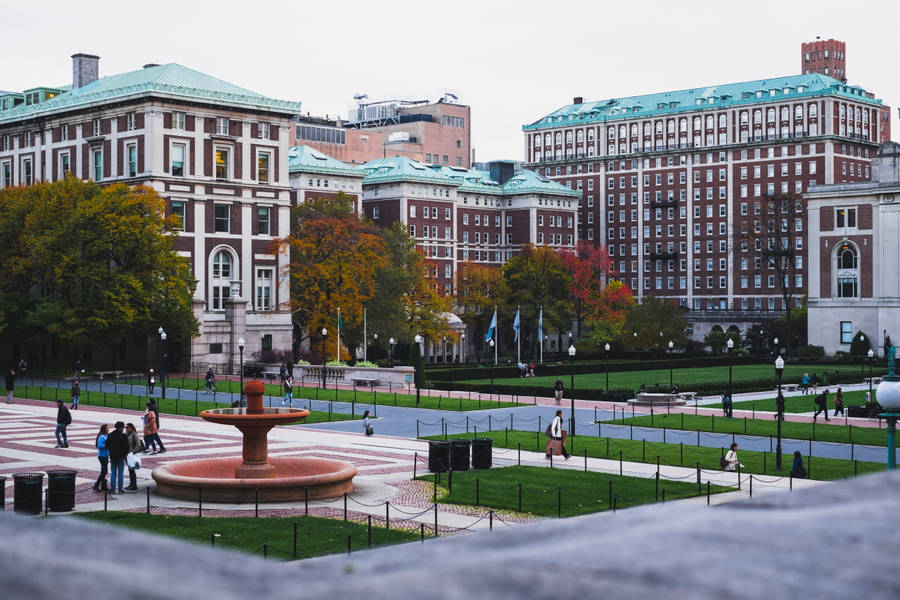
(481, 453)
(27, 488)
(61, 489)
(438, 456)
(459, 454)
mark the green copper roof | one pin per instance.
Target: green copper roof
(171, 80)
(309, 160)
(776, 89)
(529, 182)
(472, 180)
(401, 168)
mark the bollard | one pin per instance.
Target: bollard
(620, 462)
(105, 497)
(615, 499)
(345, 506)
(200, 501)
(664, 496)
(681, 458)
(643, 450)
(490, 520)
(855, 465)
(306, 501)
(519, 450)
(295, 539)
(417, 429)
(520, 496)
(415, 463)
(738, 470)
(751, 486)
(477, 491)
(370, 531)
(559, 502)
(585, 460)
(256, 504)
(657, 484)
(387, 515)
(791, 482)
(699, 488)
(450, 480)
(422, 531)
(148, 500)
(707, 492)
(435, 520)
(506, 443)
(610, 499)
(349, 537)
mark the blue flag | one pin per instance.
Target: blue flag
(541, 325)
(516, 325)
(491, 329)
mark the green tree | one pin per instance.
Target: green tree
(656, 323)
(479, 288)
(83, 266)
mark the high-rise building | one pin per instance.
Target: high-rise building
(215, 152)
(669, 180)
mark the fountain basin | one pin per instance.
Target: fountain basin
(291, 479)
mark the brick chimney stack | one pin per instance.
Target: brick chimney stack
(85, 69)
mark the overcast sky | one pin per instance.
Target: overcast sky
(511, 61)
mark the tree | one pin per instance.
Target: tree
(656, 323)
(83, 266)
(772, 236)
(590, 267)
(537, 278)
(607, 317)
(479, 288)
(334, 259)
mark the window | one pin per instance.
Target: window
(222, 126)
(222, 163)
(846, 332)
(221, 279)
(262, 167)
(264, 289)
(65, 164)
(265, 131)
(5, 174)
(176, 157)
(847, 272)
(131, 153)
(97, 164)
(178, 120)
(178, 209)
(223, 218)
(130, 122)
(264, 220)
(97, 127)
(845, 217)
(375, 212)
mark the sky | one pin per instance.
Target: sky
(511, 62)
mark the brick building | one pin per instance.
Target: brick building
(853, 257)
(828, 57)
(216, 152)
(670, 179)
(314, 174)
(427, 132)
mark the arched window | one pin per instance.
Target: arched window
(723, 121)
(709, 121)
(558, 137)
(580, 135)
(568, 137)
(547, 139)
(757, 116)
(847, 271)
(220, 285)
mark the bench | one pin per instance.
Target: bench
(365, 381)
(101, 374)
(791, 387)
(688, 396)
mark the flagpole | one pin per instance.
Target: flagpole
(518, 337)
(365, 337)
(339, 336)
(496, 344)
(541, 333)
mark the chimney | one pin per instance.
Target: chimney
(151, 65)
(577, 100)
(85, 69)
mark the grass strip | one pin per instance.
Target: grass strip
(799, 404)
(315, 536)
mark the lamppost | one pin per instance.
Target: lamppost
(572, 386)
(862, 364)
(241, 349)
(444, 349)
(374, 341)
(730, 345)
(462, 348)
(671, 383)
(391, 341)
(418, 340)
(165, 358)
(870, 354)
(606, 347)
(324, 360)
(491, 344)
(779, 370)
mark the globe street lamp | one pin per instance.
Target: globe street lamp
(164, 359)
(324, 360)
(862, 364)
(779, 370)
(572, 387)
(241, 349)
(491, 344)
(606, 347)
(870, 354)
(671, 384)
(730, 345)
(462, 348)
(418, 340)
(391, 341)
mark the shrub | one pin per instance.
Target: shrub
(273, 356)
(811, 351)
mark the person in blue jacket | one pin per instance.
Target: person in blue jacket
(103, 456)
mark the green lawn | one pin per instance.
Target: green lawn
(558, 492)
(684, 377)
(167, 406)
(800, 404)
(762, 427)
(315, 536)
(761, 463)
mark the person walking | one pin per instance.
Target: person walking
(531, 369)
(75, 392)
(731, 458)
(727, 406)
(210, 381)
(10, 385)
(556, 435)
(779, 406)
(838, 402)
(797, 469)
(117, 446)
(804, 383)
(151, 430)
(822, 403)
(288, 385)
(103, 456)
(558, 390)
(151, 381)
(22, 367)
(135, 447)
(367, 424)
(815, 383)
(63, 420)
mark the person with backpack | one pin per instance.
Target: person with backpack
(75, 392)
(151, 431)
(822, 404)
(63, 420)
(135, 447)
(727, 405)
(102, 456)
(367, 424)
(558, 390)
(117, 446)
(838, 402)
(288, 385)
(210, 381)
(798, 471)
(556, 444)
(730, 461)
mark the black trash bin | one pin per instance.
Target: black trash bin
(61, 489)
(481, 453)
(27, 488)
(459, 454)
(438, 456)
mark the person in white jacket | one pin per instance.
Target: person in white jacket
(731, 459)
(556, 433)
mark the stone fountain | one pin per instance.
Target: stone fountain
(255, 475)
